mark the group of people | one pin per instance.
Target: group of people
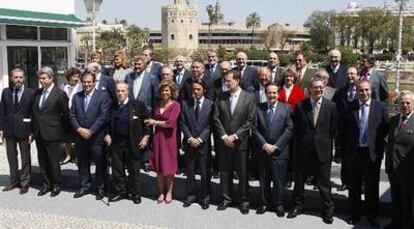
(287, 122)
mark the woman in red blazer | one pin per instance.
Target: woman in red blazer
(289, 92)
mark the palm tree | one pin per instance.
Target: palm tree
(253, 21)
(212, 20)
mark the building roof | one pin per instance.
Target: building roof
(31, 18)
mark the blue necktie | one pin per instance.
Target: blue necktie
(86, 103)
(363, 124)
(270, 114)
(44, 98)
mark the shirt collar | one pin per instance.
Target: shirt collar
(335, 68)
(408, 116)
(367, 103)
(50, 88)
(273, 106)
(125, 102)
(201, 100)
(314, 101)
(90, 93)
(20, 88)
(237, 93)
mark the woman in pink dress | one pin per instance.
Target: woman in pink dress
(163, 158)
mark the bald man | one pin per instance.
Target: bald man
(273, 66)
(248, 74)
(337, 71)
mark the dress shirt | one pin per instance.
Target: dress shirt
(302, 73)
(223, 85)
(149, 66)
(19, 93)
(363, 115)
(45, 95)
(233, 100)
(316, 108)
(351, 93)
(97, 79)
(123, 103)
(288, 91)
(138, 83)
(335, 68)
(179, 76)
(273, 72)
(262, 94)
(87, 99)
(201, 101)
(212, 67)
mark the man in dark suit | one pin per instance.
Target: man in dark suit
(234, 116)
(180, 73)
(275, 69)
(337, 71)
(399, 163)
(343, 96)
(362, 133)
(103, 82)
(212, 67)
(219, 84)
(273, 132)
(305, 74)
(197, 73)
(197, 125)
(50, 123)
(128, 136)
(377, 80)
(16, 113)
(315, 126)
(152, 67)
(248, 74)
(89, 117)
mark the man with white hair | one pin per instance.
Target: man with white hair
(248, 74)
(336, 70)
(399, 162)
(102, 82)
(181, 74)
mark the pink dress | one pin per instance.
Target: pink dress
(163, 158)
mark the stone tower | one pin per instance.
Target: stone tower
(179, 26)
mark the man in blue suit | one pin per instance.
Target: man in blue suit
(196, 124)
(142, 87)
(377, 80)
(212, 71)
(274, 128)
(89, 117)
(152, 67)
(103, 82)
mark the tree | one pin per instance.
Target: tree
(136, 39)
(253, 21)
(212, 20)
(110, 42)
(321, 29)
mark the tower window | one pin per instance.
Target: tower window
(172, 37)
(182, 21)
(172, 20)
(191, 36)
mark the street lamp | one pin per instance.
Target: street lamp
(398, 58)
(92, 8)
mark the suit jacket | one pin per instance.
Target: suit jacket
(96, 117)
(377, 130)
(340, 98)
(211, 76)
(338, 79)
(148, 91)
(137, 113)
(155, 69)
(308, 136)
(379, 86)
(400, 147)
(296, 96)
(107, 83)
(278, 75)
(201, 128)
(186, 75)
(307, 77)
(240, 123)
(278, 133)
(16, 121)
(249, 78)
(186, 92)
(51, 121)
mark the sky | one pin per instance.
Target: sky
(147, 13)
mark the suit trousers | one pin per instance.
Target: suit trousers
(363, 170)
(272, 170)
(122, 156)
(402, 189)
(11, 147)
(192, 159)
(234, 160)
(87, 153)
(48, 154)
(310, 165)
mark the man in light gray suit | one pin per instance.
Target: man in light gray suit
(328, 91)
(234, 116)
(377, 80)
(273, 133)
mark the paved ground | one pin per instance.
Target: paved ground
(30, 211)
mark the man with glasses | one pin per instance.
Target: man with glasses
(304, 74)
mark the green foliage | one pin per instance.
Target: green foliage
(199, 55)
(349, 58)
(253, 21)
(136, 38)
(110, 42)
(321, 29)
(286, 59)
(225, 55)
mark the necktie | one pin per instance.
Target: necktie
(363, 124)
(351, 94)
(270, 114)
(403, 122)
(233, 103)
(197, 109)
(16, 97)
(316, 108)
(44, 98)
(86, 103)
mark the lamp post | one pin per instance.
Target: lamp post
(398, 58)
(92, 8)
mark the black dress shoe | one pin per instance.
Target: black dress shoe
(10, 187)
(328, 219)
(205, 205)
(342, 187)
(119, 197)
(261, 210)
(188, 203)
(280, 211)
(223, 205)
(43, 191)
(55, 191)
(99, 195)
(24, 189)
(80, 193)
(244, 209)
(374, 222)
(393, 225)
(136, 199)
(294, 213)
(353, 220)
